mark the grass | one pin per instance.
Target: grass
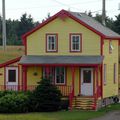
(10, 53)
(61, 115)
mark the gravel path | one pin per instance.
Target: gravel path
(110, 116)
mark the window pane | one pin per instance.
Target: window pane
(60, 75)
(75, 41)
(51, 39)
(87, 76)
(12, 76)
(50, 73)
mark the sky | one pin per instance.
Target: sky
(40, 8)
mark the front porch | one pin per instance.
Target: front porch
(81, 83)
(78, 76)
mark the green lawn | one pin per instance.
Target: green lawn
(61, 115)
(11, 52)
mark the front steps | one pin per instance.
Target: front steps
(83, 103)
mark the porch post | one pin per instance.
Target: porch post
(72, 91)
(97, 82)
(24, 78)
(73, 78)
(96, 87)
(47, 71)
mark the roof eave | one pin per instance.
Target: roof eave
(62, 13)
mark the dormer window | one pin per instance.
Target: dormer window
(75, 43)
(51, 40)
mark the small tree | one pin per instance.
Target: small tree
(46, 97)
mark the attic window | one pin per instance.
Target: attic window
(110, 47)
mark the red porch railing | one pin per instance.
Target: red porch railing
(16, 87)
(65, 90)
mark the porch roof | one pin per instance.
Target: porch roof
(54, 60)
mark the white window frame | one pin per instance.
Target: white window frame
(115, 73)
(105, 74)
(51, 72)
(7, 75)
(56, 77)
(49, 43)
(79, 43)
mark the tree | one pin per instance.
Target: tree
(25, 24)
(109, 21)
(117, 24)
(46, 97)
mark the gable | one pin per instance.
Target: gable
(63, 14)
(36, 42)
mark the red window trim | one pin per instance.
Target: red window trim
(114, 73)
(105, 74)
(65, 78)
(56, 42)
(70, 42)
(54, 79)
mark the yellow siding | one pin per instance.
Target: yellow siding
(36, 42)
(2, 76)
(31, 78)
(77, 79)
(110, 89)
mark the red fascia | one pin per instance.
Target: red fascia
(10, 62)
(111, 38)
(101, 45)
(101, 69)
(61, 13)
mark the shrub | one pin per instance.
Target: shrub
(46, 97)
(64, 104)
(14, 102)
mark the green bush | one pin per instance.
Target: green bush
(14, 102)
(3, 93)
(64, 104)
(46, 97)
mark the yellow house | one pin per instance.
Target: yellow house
(78, 54)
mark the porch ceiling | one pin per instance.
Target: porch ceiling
(53, 60)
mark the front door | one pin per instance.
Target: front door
(87, 81)
(11, 78)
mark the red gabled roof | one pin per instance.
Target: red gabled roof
(10, 62)
(62, 14)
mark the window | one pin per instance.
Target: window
(75, 42)
(86, 76)
(51, 42)
(48, 72)
(12, 76)
(104, 74)
(60, 75)
(115, 73)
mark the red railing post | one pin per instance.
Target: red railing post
(24, 78)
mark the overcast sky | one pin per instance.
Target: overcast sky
(40, 8)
